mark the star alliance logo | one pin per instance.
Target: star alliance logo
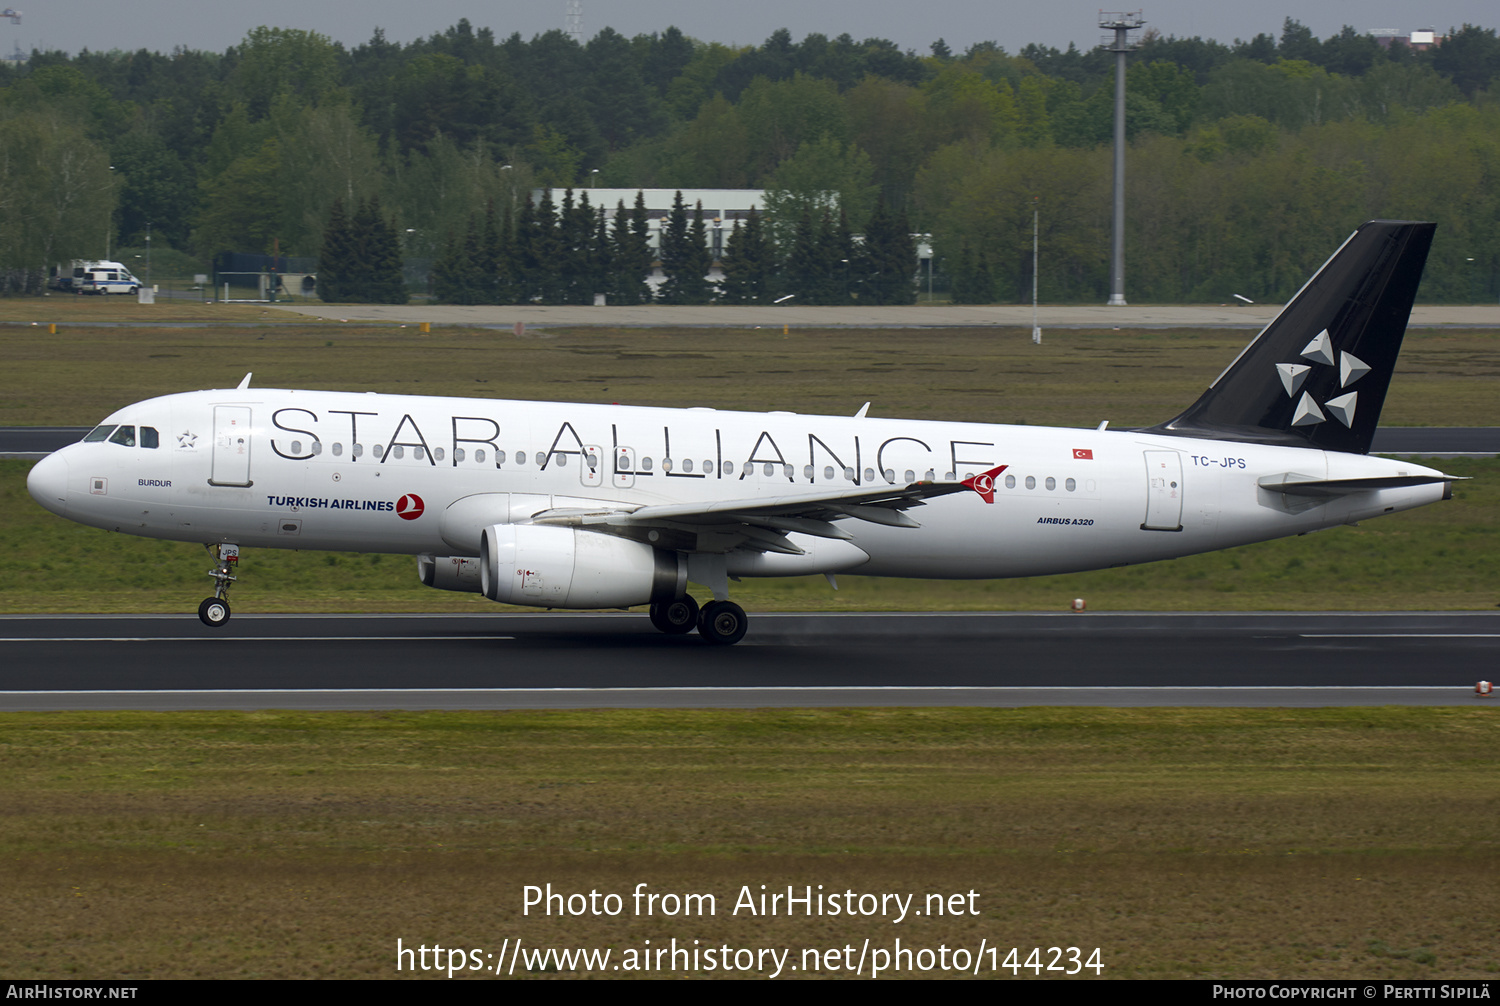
(1293, 375)
(187, 439)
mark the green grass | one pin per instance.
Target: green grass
(1445, 556)
(1077, 378)
(1338, 843)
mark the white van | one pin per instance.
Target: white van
(104, 277)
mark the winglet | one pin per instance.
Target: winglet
(243, 384)
(984, 484)
(864, 410)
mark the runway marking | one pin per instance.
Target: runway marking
(1399, 635)
(434, 638)
(692, 689)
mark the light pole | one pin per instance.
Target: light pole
(148, 253)
(1036, 218)
(1122, 24)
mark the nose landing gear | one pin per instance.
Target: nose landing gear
(214, 611)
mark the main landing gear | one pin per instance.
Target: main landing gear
(722, 623)
(214, 611)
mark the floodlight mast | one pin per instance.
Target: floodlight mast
(1122, 23)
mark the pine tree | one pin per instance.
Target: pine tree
(749, 264)
(333, 262)
(674, 253)
(887, 260)
(804, 273)
(693, 285)
(378, 278)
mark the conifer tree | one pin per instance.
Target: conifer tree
(333, 262)
(674, 253)
(749, 264)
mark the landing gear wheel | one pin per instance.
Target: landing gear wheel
(675, 617)
(214, 611)
(722, 623)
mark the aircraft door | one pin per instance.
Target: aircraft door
(1163, 491)
(591, 466)
(622, 472)
(231, 466)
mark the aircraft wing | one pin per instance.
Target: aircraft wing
(761, 523)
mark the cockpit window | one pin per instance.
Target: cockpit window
(124, 436)
(150, 438)
(97, 434)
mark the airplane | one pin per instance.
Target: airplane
(580, 506)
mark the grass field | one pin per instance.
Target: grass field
(1077, 378)
(1182, 843)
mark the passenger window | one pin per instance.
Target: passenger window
(1051, 483)
(437, 453)
(1070, 485)
(499, 457)
(458, 454)
(98, 434)
(338, 450)
(150, 438)
(1010, 481)
(124, 436)
(479, 455)
(1031, 482)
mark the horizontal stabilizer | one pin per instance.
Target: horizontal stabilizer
(1302, 485)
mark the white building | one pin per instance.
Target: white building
(721, 208)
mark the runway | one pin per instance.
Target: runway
(36, 442)
(573, 660)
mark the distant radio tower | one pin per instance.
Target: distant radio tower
(574, 23)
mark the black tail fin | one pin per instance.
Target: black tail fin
(1317, 375)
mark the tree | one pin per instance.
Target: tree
(378, 250)
(684, 257)
(335, 262)
(749, 264)
(361, 259)
(630, 255)
(887, 260)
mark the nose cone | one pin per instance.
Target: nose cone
(48, 483)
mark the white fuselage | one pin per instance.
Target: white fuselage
(407, 474)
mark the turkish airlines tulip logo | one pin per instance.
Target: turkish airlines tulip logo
(410, 507)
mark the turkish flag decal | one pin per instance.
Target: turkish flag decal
(1082, 454)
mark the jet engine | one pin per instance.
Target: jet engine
(449, 572)
(564, 567)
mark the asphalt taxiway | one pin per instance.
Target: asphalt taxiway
(573, 660)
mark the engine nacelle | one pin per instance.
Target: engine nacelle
(449, 572)
(564, 567)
